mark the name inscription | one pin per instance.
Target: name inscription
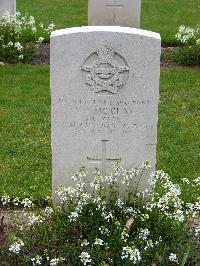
(106, 115)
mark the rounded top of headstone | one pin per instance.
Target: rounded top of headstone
(115, 29)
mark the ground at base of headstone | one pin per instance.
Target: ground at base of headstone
(43, 56)
(10, 216)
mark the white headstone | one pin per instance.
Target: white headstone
(105, 91)
(124, 13)
(8, 5)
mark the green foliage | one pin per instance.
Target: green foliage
(20, 37)
(187, 56)
(103, 227)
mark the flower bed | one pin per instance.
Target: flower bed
(20, 37)
(189, 54)
(101, 227)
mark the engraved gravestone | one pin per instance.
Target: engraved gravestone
(8, 5)
(124, 13)
(105, 91)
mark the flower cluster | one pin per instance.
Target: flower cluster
(35, 219)
(20, 36)
(170, 202)
(85, 258)
(26, 203)
(16, 246)
(132, 254)
(188, 35)
(39, 260)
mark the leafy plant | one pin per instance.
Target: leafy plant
(20, 37)
(189, 54)
(105, 227)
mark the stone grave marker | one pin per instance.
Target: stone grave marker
(124, 13)
(105, 91)
(8, 5)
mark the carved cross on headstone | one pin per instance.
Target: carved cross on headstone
(114, 4)
(103, 160)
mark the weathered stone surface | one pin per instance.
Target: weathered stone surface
(124, 13)
(105, 91)
(8, 5)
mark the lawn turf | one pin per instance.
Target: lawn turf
(25, 157)
(163, 16)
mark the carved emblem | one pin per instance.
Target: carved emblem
(105, 71)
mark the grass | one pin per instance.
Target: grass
(25, 157)
(25, 136)
(178, 139)
(160, 16)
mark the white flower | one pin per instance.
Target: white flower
(85, 258)
(85, 243)
(144, 233)
(34, 219)
(48, 210)
(18, 46)
(125, 235)
(187, 35)
(197, 181)
(149, 244)
(98, 242)
(197, 206)
(37, 260)
(16, 201)
(179, 216)
(16, 246)
(51, 27)
(10, 44)
(27, 203)
(21, 56)
(98, 180)
(185, 180)
(107, 216)
(129, 210)
(119, 203)
(197, 230)
(5, 199)
(54, 262)
(173, 257)
(104, 231)
(73, 216)
(158, 176)
(146, 165)
(40, 40)
(132, 254)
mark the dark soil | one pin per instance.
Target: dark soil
(5, 224)
(165, 61)
(43, 56)
(8, 219)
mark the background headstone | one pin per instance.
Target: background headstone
(105, 91)
(125, 13)
(8, 5)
